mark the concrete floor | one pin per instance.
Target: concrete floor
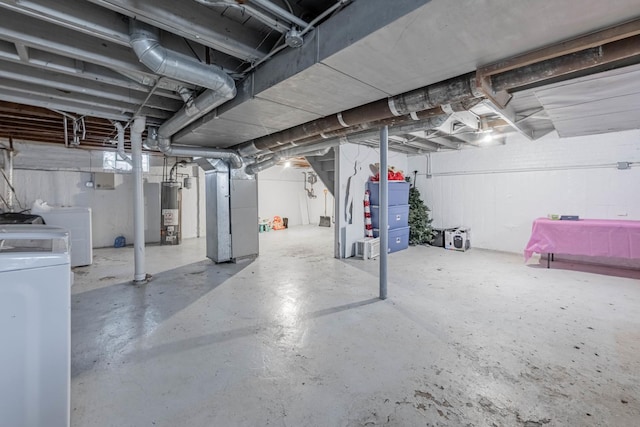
(297, 338)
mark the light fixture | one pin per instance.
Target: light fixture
(287, 164)
(487, 138)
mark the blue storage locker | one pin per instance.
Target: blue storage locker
(398, 192)
(398, 238)
(398, 216)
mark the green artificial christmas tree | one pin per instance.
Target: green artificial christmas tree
(421, 231)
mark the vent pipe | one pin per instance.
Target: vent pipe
(220, 86)
(231, 156)
(120, 146)
(145, 41)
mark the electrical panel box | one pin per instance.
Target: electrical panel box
(106, 181)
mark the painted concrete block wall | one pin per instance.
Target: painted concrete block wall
(58, 177)
(498, 191)
(281, 192)
(355, 167)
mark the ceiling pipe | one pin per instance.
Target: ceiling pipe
(278, 11)
(220, 88)
(145, 42)
(309, 150)
(251, 11)
(209, 153)
(120, 146)
(355, 138)
(428, 119)
(450, 91)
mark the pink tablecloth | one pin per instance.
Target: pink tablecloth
(591, 237)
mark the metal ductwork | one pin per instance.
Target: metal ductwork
(231, 156)
(120, 146)
(316, 149)
(220, 88)
(145, 42)
(193, 110)
(450, 91)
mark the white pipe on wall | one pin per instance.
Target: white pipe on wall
(120, 147)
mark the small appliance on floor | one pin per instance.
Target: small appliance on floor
(457, 239)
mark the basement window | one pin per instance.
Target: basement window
(111, 162)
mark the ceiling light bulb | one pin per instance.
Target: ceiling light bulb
(487, 138)
(287, 164)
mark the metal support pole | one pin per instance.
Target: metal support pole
(140, 274)
(10, 173)
(384, 210)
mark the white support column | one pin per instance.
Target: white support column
(140, 274)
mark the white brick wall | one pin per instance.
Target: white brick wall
(498, 191)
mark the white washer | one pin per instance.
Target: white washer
(35, 325)
(78, 221)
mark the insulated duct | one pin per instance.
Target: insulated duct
(353, 138)
(428, 119)
(450, 91)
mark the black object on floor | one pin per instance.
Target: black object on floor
(20, 218)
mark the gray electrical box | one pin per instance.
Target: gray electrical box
(106, 181)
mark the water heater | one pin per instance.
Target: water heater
(170, 213)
